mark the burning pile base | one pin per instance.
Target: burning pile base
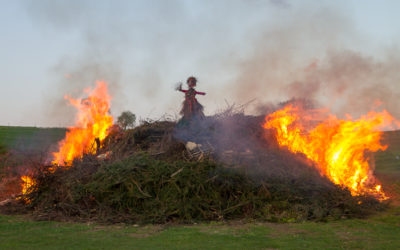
(149, 175)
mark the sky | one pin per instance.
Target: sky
(343, 55)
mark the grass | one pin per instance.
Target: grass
(388, 161)
(29, 138)
(377, 232)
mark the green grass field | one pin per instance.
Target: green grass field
(29, 138)
(381, 231)
(388, 162)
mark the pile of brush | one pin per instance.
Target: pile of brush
(154, 174)
(140, 189)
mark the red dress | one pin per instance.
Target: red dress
(191, 107)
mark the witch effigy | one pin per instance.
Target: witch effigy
(191, 108)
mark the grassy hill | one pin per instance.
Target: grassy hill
(29, 138)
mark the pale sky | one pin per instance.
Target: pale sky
(49, 48)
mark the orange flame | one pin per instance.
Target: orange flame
(92, 122)
(27, 184)
(337, 147)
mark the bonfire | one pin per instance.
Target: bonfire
(151, 174)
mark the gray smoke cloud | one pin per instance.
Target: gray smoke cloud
(315, 55)
(96, 55)
(270, 51)
(137, 53)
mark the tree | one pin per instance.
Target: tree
(126, 120)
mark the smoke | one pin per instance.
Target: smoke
(133, 46)
(270, 51)
(96, 55)
(280, 3)
(317, 54)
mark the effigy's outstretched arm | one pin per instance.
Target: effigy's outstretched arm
(200, 93)
(179, 88)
